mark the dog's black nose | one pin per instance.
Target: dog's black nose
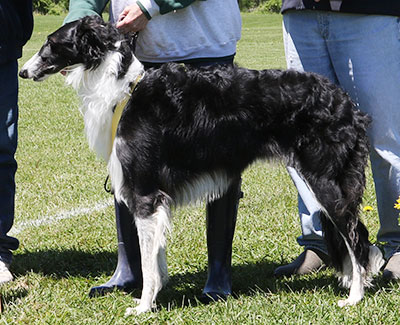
(23, 73)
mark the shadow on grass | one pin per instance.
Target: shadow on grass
(247, 279)
(64, 263)
(182, 289)
(10, 296)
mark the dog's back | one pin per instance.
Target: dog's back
(228, 115)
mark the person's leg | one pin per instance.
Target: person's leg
(365, 51)
(221, 221)
(306, 50)
(315, 253)
(128, 273)
(8, 165)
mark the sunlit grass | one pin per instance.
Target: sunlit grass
(58, 262)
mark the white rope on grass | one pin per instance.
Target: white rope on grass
(46, 220)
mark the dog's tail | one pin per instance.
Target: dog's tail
(352, 184)
(343, 230)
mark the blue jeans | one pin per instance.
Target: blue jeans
(8, 146)
(361, 53)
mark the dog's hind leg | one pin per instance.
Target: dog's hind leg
(359, 275)
(348, 245)
(353, 274)
(152, 231)
(336, 176)
(357, 270)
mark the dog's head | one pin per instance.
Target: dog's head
(84, 42)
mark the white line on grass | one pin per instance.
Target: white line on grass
(46, 220)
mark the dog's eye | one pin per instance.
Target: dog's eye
(45, 53)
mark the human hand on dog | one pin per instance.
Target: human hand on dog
(132, 19)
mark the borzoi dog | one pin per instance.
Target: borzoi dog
(186, 132)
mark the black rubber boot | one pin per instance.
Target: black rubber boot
(221, 221)
(128, 274)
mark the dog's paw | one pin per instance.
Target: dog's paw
(129, 311)
(348, 302)
(137, 310)
(142, 308)
(136, 301)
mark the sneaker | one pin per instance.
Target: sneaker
(392, 268)
(309, 261)
(5, 274)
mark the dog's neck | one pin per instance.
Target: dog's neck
(101, 90)
(103, 82)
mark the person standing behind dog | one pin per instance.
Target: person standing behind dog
(199, 33)
(16, 25)
(356, 45)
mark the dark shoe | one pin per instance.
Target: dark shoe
(128, 274)
(392, 268)
(309, 261)
(221, 221)
(209, 297)
(117, 282)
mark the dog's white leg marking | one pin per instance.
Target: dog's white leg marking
(375, 263)
(346, 276)
(152, 239)
(357, 277)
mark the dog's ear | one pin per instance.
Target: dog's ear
(92, 35)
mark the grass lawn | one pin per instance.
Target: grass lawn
(65, 223)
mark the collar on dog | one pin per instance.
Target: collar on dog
(119, 108)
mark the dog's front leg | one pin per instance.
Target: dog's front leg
(152, 239)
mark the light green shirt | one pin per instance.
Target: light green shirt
(82, 8)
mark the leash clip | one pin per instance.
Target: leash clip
(107, 187)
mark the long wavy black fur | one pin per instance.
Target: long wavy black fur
(184, 122)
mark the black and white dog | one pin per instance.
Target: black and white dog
(185, 133)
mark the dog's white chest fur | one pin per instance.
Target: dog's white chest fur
(100, 91)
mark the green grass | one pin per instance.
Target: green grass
(58, 262)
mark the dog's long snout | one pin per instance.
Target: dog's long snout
(27, 70)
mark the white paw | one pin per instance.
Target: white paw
(142, 308)
(348, 302)
(137, 310)
(130, 311)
